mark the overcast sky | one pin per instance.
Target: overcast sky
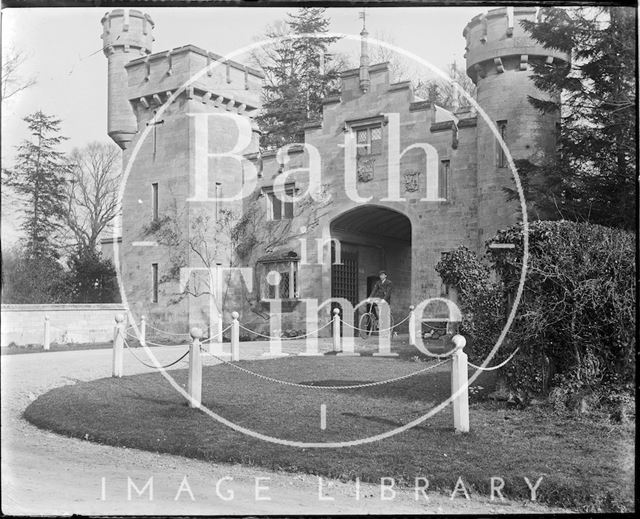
(63, 49)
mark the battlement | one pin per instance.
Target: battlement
(494, 44)
(126, 29)
(164, 72)
(379, 79)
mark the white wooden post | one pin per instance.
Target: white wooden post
(460, 382)
(235, 336)
(118, 345)
(194, 382)
(47, 333)
(412, 326)
(143, 331)
(336, 329)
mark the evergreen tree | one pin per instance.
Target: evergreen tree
(39, 178)
(299, 73)
(91, 278)
(594, 178)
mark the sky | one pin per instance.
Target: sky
(63, 52)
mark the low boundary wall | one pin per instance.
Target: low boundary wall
(69, 323)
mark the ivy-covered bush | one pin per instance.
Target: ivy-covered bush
(575, 322)
(480, 299)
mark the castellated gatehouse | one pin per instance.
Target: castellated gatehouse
(383, 181)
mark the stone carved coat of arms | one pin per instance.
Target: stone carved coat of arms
(411, 181)
(365, 168)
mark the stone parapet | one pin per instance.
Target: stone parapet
(126, 34)
(493, 45)
(127, 30)
(152, 79)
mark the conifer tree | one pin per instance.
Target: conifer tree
(299, 73)
(594, 178)
(39, 179)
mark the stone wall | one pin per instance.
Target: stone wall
(499, 60)
(167, 154)
(436, 226)
(81, 323)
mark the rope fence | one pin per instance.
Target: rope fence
(219, 334)
(145, 325)
(298, 337)
(329, 388)
(165, 332)
(459, 362)
(383, 330)
(153, 365)
(150, 343)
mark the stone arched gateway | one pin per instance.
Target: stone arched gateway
(372, 238)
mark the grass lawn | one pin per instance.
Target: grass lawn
(585, 465)
(39, 348)
(14, 349)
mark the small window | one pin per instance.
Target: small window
(443, 179)
(287, 288)
(154, 282)
(276, 208)
(502, 157)
(369, 140)
(154, 200)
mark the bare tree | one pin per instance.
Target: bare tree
(398, 66)
(437, 90)
(443, 92)
(92, 203)
(12, 82)
(231, 239)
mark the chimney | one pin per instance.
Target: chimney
(364, 57)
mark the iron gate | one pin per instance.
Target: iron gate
(344, 278)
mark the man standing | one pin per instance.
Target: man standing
(382, 288)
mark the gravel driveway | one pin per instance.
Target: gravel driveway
(47, 474)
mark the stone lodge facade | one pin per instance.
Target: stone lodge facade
(171, 221)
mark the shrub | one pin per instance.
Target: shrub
(575, 323)
(479, 298)
(33, 279)
(92, 278)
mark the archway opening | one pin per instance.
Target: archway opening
(372, 238)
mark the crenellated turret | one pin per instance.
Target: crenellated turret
(127, 34)
(499, 57)
(494, 46)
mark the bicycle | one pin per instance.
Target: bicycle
(370, 323)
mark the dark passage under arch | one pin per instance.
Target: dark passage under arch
(372, 238)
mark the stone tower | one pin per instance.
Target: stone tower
(175, 115)
(499, 58)
(127, 34)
